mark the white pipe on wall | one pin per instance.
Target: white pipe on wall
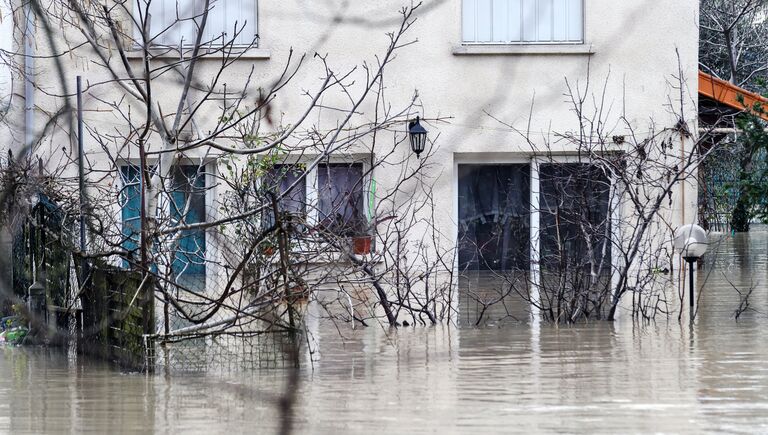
(29, 71)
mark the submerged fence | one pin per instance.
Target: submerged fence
(109, 312)
(719, 181)
(71, 301)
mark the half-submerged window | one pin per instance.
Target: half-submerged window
(496, 244)
(493, 241)
(175, 23)
(522, 21)
(575, 246)
(188, 207)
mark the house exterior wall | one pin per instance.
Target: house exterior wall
(6, 87)
(6, 44)
(631, 53)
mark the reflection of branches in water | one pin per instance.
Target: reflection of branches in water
(743, 299)
(720, 266)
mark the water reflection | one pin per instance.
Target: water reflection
(597, 377)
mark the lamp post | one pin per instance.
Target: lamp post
(691, 241)
(418, 136)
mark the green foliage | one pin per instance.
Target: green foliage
(753, 182)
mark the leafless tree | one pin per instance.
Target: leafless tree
(733, 35)
(214, 211)
(732, 47)
(605, 215)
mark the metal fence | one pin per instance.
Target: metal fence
(224, 352)
(718, 191)
(70, 301)
(41, 269)
(113, 317)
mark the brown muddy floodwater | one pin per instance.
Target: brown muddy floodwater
(599, 377)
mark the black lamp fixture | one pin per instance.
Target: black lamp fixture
(418, 136)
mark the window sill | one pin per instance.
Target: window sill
(329, 257)
(517, 50)
(205, 53)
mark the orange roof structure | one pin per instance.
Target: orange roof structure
(730, 95)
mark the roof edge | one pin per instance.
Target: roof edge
(731, 95)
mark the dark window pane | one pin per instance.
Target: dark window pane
(574, 218)
(340, 197)
(278, 180)
(494, 217)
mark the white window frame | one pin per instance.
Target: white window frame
(312, 199)
(209, 167)
(188, 44)
(535, 163)
(522, 41)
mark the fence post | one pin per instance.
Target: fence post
(147, 301)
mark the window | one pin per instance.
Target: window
(340, 198)
(174, 23)
(130, 205)
(532, 226)
(279, 179)
(575, 218)
(494, 234)
(522, 21)
(187, 206)
(332, 195)
(494, 217)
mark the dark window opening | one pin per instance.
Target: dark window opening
(340, 198)
(279, 180)
(494, 217)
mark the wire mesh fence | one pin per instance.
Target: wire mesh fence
(229, 352)
(718, 189)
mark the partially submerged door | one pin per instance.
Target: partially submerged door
(493, 240)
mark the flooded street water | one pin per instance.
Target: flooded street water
(598, 377)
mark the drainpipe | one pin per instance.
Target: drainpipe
(29, 70)
(684, 181)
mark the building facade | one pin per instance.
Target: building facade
(525, 103)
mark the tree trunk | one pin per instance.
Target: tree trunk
(741, 215)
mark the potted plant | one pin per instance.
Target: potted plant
(360, 235)
(267, 247)
(361, 244)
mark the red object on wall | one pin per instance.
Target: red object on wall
(362, 245)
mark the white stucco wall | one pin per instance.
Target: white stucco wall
(6, 45)
(636, 49)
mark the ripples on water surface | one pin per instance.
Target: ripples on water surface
(598, 377)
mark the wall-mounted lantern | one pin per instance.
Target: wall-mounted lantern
(417, 135)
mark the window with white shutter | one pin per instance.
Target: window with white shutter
(522, 21)
(175, 23)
